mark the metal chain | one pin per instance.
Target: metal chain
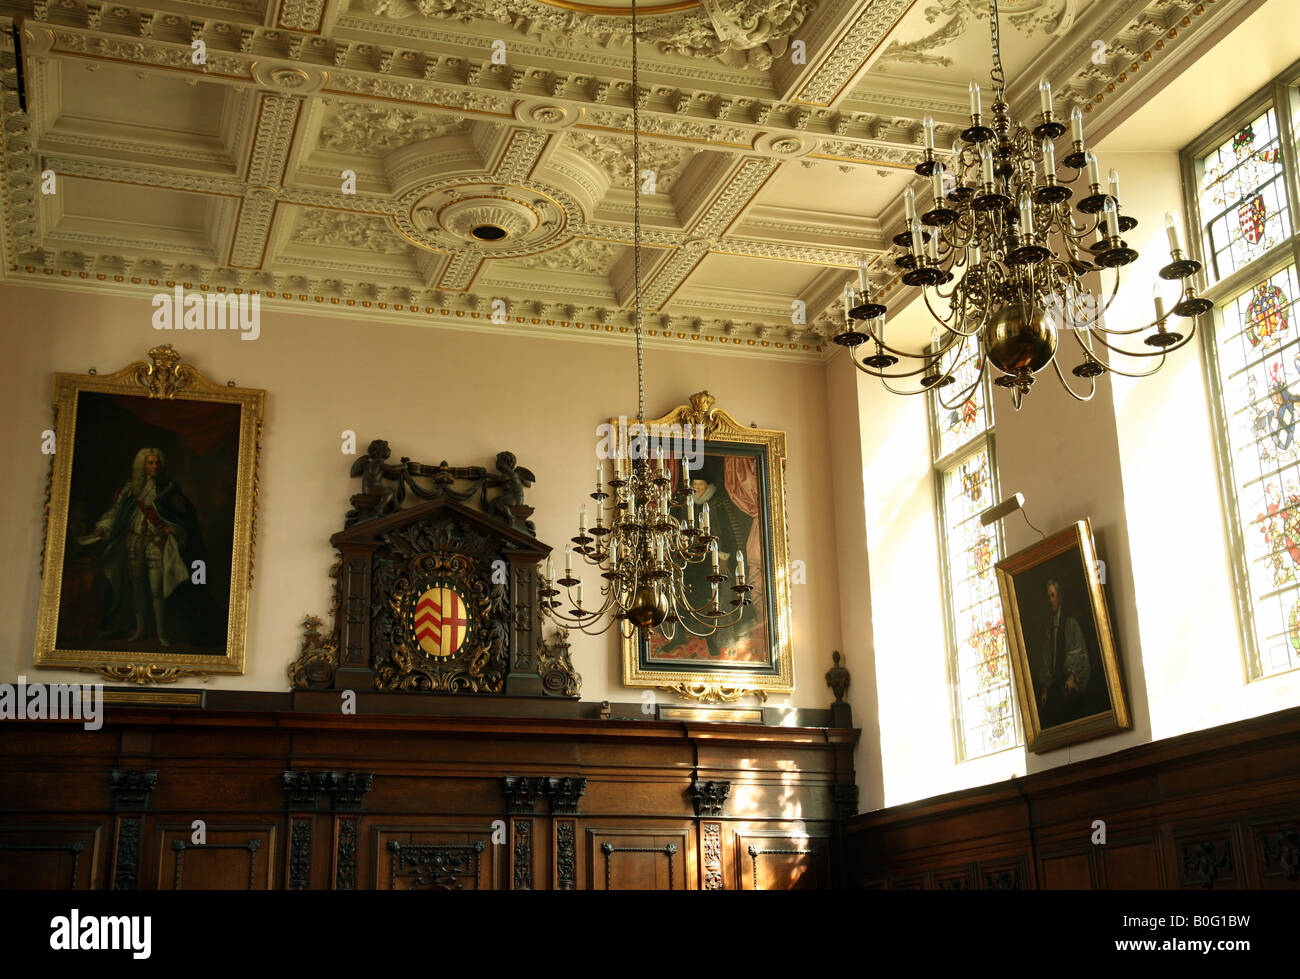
(997, 75)
(636, 225)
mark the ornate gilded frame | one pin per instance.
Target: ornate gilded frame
(165, 375)
(1077, 537)
(733, 684)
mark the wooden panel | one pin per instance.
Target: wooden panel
(1068, 872)
(447, 857)
(1217, 809)
(1133, 866)
(233, 858)
(642, 860)
(769, 862)
(391, 800)
(49, 857)
(1277, 852)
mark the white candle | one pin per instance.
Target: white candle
(936, 184)
(600, 475)
(659, 550)
(1049, 160)
(848, 302)
(956, 157)
(690, 509)
(1159, 301)
(568, 562)
(1076, 124)
(909, 205)
(613, 551)
(704, 518)
(1045, 96)
(582, 520)
(713, 550)
(916, 238)
(932, 246)
(740, 567)
(986, 163)
(1026, 215)
(1094, 170)
(578, 603)
(1110, 217)
(934, 339)
(975, 108)
(1112, 184)
(550, 570)
(864, 284)
(977, 256)
(1171, 230)
(928, 125)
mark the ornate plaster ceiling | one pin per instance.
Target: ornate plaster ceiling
(780, 134)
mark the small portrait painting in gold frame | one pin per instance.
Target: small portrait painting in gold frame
(1061, 644)
(151, 520)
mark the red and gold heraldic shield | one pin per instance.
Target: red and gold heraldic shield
(441, 621)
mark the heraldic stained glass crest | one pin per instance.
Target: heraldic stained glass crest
(1243, 197)
(1259, 363)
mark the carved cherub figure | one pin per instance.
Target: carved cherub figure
(511, 481)
(373, 468)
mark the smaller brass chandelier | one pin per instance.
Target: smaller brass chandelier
(1002, 250)
(649, 536)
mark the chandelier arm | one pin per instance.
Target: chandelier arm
(885, 382)
(1092, 382)
(1136, 353)
(964, 396)
(952, 313)
(883, 376)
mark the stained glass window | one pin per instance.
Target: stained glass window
(1259, 363)
(1253, 351)
(983, 697)
(1242, 196)
(966, 418)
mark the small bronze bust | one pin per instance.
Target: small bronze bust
(837, 678)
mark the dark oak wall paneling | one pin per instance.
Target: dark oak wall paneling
(296, 800)
(1216, 809)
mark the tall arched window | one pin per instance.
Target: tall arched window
(1240, 187)
(966, 482)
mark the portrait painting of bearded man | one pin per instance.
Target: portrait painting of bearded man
(150, 523)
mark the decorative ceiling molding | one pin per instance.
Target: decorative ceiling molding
(440, 141)
(744, 34)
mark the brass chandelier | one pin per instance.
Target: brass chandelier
(649, 533)
(1002, 249)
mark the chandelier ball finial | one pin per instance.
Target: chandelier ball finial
(648, 609)
(1019, 338)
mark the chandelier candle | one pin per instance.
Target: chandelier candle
(1005, 257)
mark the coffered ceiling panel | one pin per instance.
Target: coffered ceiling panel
(441, 154)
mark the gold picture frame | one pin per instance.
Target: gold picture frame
(161, 547)
(1062, 654)
(727, 680)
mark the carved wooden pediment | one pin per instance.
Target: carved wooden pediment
(438, 596)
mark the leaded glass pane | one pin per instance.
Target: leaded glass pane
(1242, 198)
(960, 411)
(983, 673)
(1259, 362)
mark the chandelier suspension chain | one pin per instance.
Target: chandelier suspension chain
(636, 226)
(997, 75)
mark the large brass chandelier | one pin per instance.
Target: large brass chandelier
(647, 530)
(1005, 263)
